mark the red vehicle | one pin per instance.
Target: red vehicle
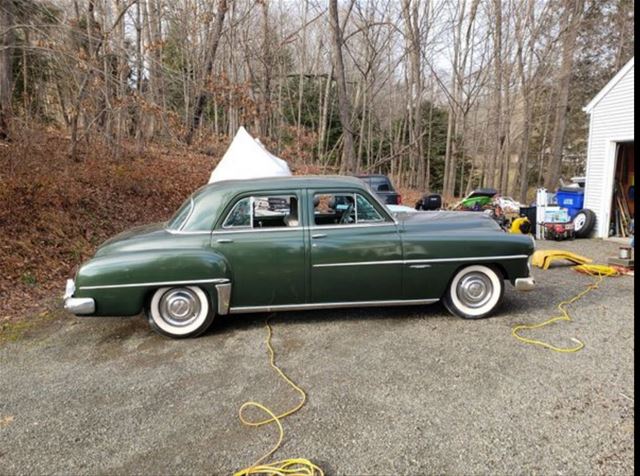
(559, 231)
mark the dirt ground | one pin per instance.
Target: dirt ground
(391, 391)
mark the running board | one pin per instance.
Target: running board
(330, 305)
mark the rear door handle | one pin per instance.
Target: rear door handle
(224, 240)
(319, 235)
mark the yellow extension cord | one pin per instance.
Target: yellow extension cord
(304, 467)
(285, 467)
(597, 270)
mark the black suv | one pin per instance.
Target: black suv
(382, 187)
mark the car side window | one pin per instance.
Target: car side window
(264, 211)
(334, 209)
(240, 215)
(365, 211)
(272, 211)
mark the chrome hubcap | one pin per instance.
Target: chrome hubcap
(179, 307)
(474, 290)
(579, 221)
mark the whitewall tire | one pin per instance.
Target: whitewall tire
(179, 312)
(474, 292)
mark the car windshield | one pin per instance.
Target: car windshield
(178, 219)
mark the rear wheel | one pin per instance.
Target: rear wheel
(180, 312)
(474, 292)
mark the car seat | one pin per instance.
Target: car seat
(291, 218)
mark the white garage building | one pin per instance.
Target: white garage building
(611, 151)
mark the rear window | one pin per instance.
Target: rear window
(176, 222)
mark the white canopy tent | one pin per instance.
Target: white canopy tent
(247, 158)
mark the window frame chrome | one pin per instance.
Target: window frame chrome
(387, 218)
(295, 193)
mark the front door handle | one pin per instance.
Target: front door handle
(224, 240)
(319, 235)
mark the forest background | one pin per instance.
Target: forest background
(113, 111)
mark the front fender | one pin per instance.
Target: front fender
(120, 283)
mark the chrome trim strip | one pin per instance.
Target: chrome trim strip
(353, 225)
(186, 220)
(357, 263)
(176, 232)
(419, 261)
(257, 230)
(470, 258)
(224, 297)
(161, 283)
(329, 305)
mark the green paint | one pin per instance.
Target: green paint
(272, 266)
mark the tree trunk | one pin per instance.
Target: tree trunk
(201, 100)
(348, 163)
(7, 44)
(571, 21)
(494, 155)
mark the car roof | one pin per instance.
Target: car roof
(293, 181)
(209, 199)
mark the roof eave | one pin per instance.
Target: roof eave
(609, 86)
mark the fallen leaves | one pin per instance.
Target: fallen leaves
(6, 421)
(54, 211)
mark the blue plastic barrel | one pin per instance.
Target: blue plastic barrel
(571, 199)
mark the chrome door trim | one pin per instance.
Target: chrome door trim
(176, 232)
(161, 283)
(352, 225)
(470, 258)
(420, 261)
(357, 263)
(329, 305)
(227, 231)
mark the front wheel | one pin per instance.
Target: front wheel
(474, 292)
(180, 312)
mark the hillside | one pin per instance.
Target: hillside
(55, 211)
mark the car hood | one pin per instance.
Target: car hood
(448, 220)
(133, 236)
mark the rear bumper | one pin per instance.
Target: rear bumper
(525, 284)
(77, 306)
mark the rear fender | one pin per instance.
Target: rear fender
(120, 284)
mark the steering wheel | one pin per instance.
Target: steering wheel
(346, 215)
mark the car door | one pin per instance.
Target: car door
(355, 249)
(262, 238)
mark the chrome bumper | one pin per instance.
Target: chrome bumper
(525, 284)
(77, 306)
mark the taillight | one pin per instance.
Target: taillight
(399, 200)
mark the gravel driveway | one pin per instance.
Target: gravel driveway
(391, 391)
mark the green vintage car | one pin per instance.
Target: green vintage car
(296, 243)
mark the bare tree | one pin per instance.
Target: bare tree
(348, 162)
(211, 57)
(570, 24)
(7, 43)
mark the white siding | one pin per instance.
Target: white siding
(611, 121)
